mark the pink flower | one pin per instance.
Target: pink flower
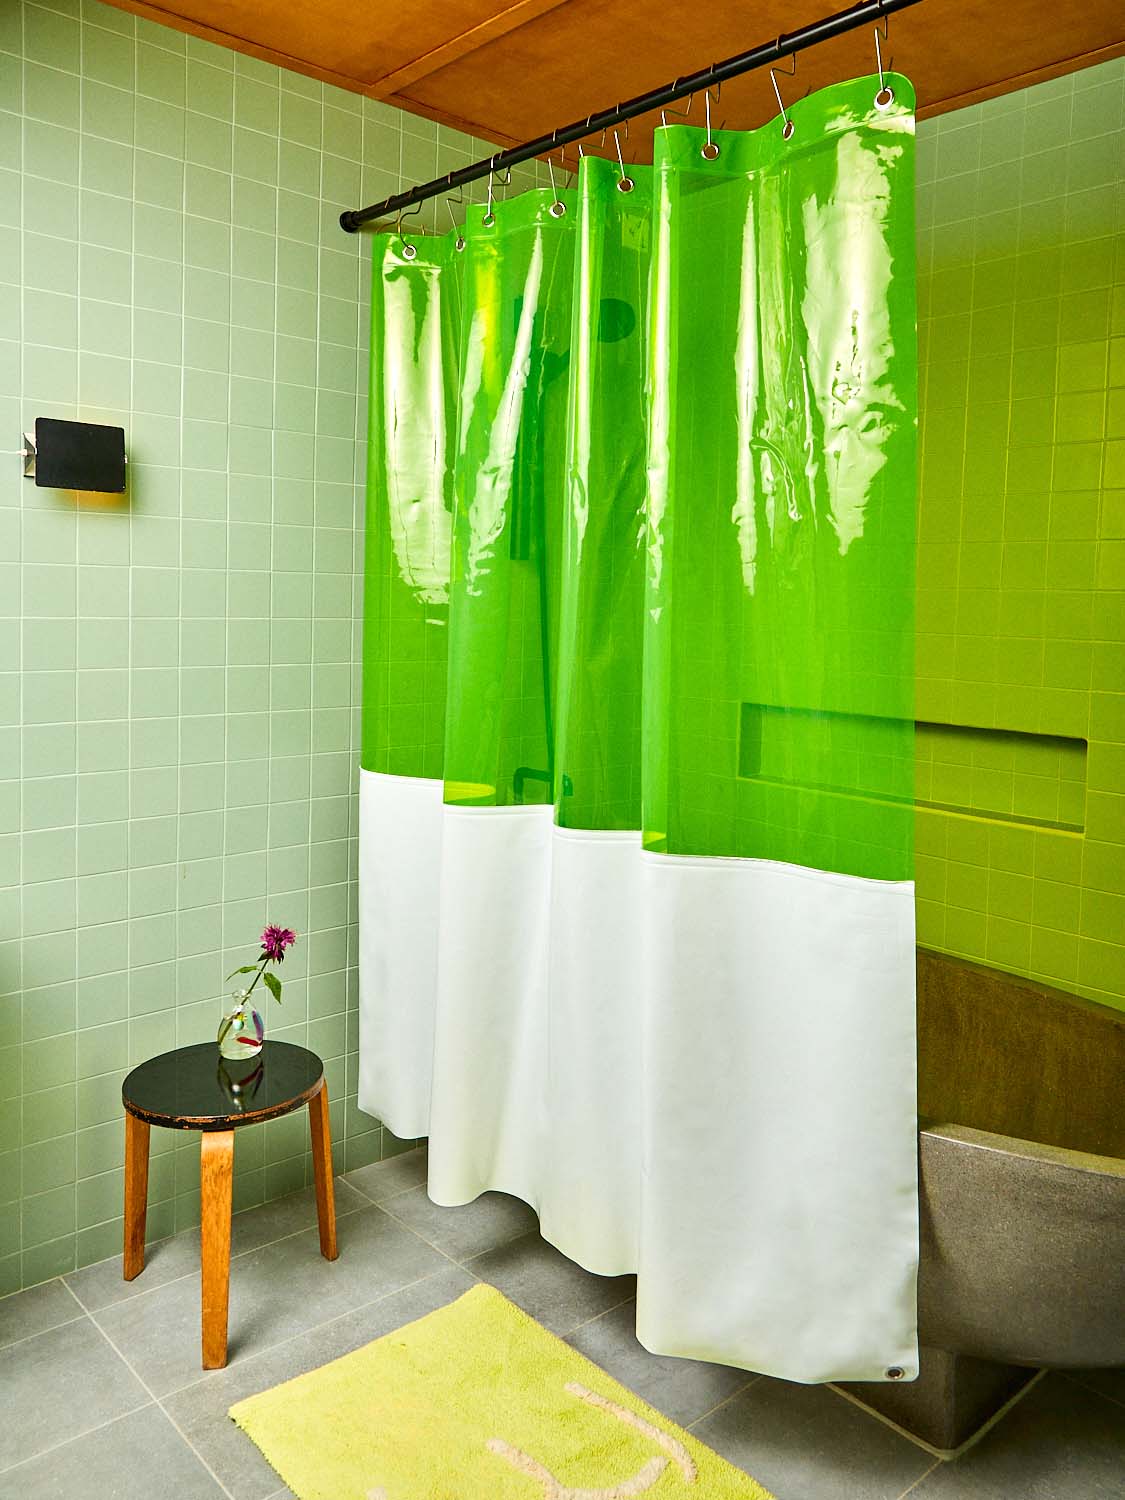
(275, 940)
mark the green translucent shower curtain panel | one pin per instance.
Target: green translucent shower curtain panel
(636, 813)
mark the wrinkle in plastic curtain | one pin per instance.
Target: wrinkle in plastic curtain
(637, 936)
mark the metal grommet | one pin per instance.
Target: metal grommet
(409, 251)
(625, 184)
(488, 220)
(787, 130)
(884, 98)
(557, 209)
(459, 242)
(895, 1373)
(709, 151)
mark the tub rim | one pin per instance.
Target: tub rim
(1036, 1151)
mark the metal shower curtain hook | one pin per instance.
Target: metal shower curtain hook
(625, 183)
(787, 128)
(558, 207)
(886, 95)
(678, 114)
(409, 249)
(489, 217)
(459, 242)
(710, 149)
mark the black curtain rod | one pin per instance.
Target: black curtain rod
(769, 52)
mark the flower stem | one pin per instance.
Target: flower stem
(257, 976)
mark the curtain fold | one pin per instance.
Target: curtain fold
(637, 937)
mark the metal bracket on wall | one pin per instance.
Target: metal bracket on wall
(27, 453)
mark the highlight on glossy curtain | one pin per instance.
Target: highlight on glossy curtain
(636, 927)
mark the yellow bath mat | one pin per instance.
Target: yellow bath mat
(477, 1402)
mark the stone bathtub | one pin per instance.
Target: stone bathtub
(1021, 1099)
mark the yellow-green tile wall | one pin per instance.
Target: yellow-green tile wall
(178, 673)
(1021, 555)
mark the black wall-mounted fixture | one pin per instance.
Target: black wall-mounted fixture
(75, 456)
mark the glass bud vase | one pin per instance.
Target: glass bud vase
(242, 1030)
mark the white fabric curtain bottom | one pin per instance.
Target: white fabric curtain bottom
(698, 1070)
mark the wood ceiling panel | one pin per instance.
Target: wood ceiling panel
(588, 55)
(511, 70)
(356, 46)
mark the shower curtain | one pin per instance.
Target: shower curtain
(636, 926)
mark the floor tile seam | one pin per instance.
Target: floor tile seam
(1090, 1389)
(566, 1333)
(418, 1235)
(168, 1239)
(975, 1437)
(463, 1263)
(39, 1332)
(511, 1240)
(348, 1213)
(149, 1291)
(160, 1406)
(561, 1333)
(78, 1436)
(467, 1262)
(884, 1421)
(596, 1318)
(85, 1310)
(183, 1435)
(378, 1202)
(937, 1463)
(42, 1332)
(305, 1332)
(726, 1401)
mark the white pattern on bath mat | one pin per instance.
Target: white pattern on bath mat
(643, 1480)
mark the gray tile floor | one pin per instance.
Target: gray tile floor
(102, 1394)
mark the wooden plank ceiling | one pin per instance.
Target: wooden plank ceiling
(509, 72)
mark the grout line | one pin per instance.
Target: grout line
(161, 1408)
(476, 1255)
(937, 1463)
(85, 1311)
(301, 1333)
(943, 1455)
(597, 1317)
(420, 1237)
(397, 1194)
(1076, 1379)
(169, 1239)
(78, 1436)
(378, 1202)
(726, 1401)
(565, 1334)
(39, 1332)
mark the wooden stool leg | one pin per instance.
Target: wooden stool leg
(322, 1171)
(136, 1194)
(216, 1170)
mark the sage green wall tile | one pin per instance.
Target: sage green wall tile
(1020, 566)
(158, 701)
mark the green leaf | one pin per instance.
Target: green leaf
(273, 984)
(246, 969)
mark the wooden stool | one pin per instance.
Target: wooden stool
(193, 1088)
